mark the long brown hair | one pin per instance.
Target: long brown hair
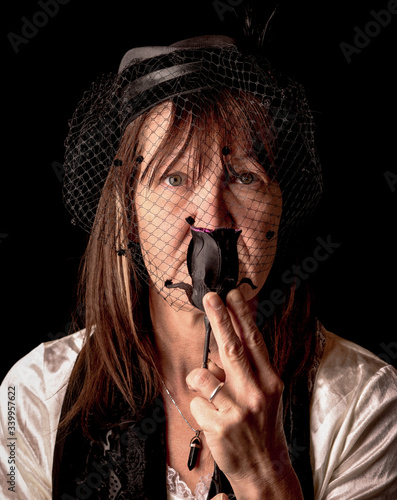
(119, 356)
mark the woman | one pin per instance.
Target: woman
(190, 168)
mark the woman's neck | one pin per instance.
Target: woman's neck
(179, 337)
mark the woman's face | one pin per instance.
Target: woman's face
(241, 196)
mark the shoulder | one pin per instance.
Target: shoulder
(47, 367)
(352, 420)
(31, 396)
(40, 378)
(344, 351)
(347, 373)
(346, 368)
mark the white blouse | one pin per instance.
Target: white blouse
(353, 424)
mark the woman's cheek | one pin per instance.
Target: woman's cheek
(161, 230)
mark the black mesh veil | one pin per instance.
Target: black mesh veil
(196, 141)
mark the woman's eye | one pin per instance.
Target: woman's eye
(174, 180)
(247, 178)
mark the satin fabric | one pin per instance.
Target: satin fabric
(353, 424)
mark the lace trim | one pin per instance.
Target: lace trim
(182, 490)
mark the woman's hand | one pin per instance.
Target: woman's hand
(243, 425)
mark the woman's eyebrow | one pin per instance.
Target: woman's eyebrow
(169, 168)
(165, 164)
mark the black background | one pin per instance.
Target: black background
(355, 111)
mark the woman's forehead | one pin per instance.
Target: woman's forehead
(190, 135)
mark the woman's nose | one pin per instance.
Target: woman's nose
(211, 207)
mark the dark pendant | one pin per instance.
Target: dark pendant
(195, 447)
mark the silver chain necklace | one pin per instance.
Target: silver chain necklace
(195, 442)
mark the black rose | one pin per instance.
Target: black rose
(212, 262)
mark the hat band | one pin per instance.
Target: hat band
(157, 77)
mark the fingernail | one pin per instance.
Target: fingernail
(188, 384)
(235, 296)
(215, 301)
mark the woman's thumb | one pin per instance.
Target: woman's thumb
(221, 496)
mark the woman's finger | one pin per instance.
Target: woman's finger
(246, 328)
(231, 350)
(203, 382)
(216, 370)
(252, 340)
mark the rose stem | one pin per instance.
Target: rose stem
(205, 365)
(207, 341)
